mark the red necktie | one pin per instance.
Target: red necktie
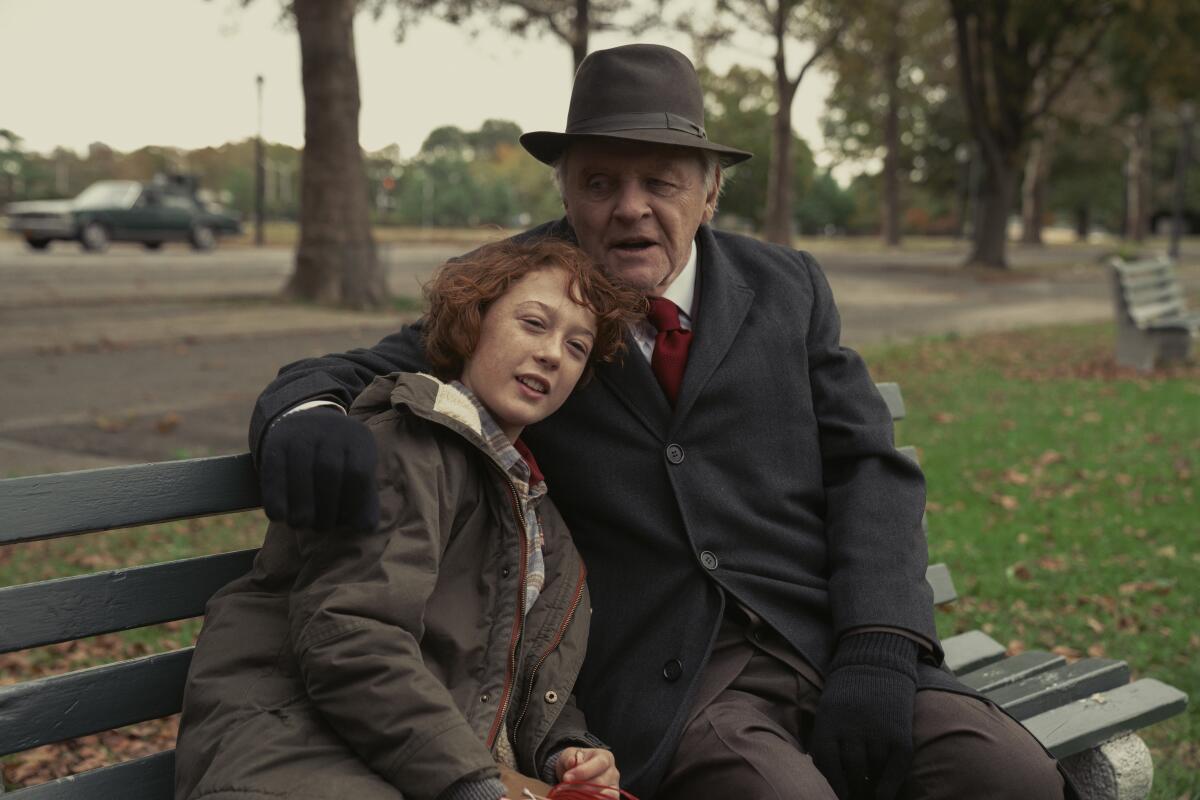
(670, 346)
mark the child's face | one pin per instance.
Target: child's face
(534, 343)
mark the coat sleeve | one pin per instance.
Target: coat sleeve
(338, 377)
(874, 496)
(355, 619)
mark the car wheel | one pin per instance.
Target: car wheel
(202, 238)
(38, 244)
(152, 245)
(94, 237)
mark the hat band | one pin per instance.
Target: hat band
(659, 120)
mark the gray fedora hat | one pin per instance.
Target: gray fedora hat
(639, 92)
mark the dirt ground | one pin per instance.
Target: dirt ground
(134, 356)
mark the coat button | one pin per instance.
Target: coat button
(551, 697)
(483, 698)
(672, 670)
(674, 454)
(709, 559)
(504, 573)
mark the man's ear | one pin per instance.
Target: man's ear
(710, 200)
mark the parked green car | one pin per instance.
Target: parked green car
(124, 211)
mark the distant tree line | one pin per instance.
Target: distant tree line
(956, 115)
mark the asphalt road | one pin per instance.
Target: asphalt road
(132, 355)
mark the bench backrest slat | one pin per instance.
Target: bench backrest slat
(62, 707)
(146, 778)
(37, 614)
(1147, 291)
(894, 399)
(1059, 686)
(43, 506)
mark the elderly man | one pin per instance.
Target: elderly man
(761, 623)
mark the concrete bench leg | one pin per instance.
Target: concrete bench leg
(1119, 769)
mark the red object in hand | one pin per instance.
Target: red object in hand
(586, 791)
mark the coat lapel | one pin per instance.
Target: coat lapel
(634, 383)
(724, 303)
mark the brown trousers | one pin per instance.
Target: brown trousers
(753, 715)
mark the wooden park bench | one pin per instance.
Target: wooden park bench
(1153, 322)
(1086, 713)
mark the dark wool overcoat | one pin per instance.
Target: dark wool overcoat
(774, 481)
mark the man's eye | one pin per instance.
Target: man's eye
(580, 347)
(597, 184)
(534, 322)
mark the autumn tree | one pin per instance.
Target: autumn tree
(1014, 60)
(891, 82)
(572, 22)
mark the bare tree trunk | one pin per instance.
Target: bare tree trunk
(1033, 191)
(1182, 162)
(778, 224)
(891, 131)
(1083, 222)
(991, 221)
(579, 40)
(1137, 179)
(336, 262)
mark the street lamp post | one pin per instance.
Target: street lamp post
(258, 170)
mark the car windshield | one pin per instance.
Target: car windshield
(108, 194)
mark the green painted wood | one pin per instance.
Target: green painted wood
(1059, 686)
(893, 398)
(147, 778)
(970, 651)
(1094, 720)
(1010, 670)
(60, 610)
(938, 577)
(61, 504)
(62, 707)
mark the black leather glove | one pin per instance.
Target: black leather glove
(318, 472)
(862, 735)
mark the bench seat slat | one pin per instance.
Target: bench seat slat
(79, 703)
(1011, 669)
(970, 651)
(60, 610)
(147, 778)
(43, 506)
(1059, 686)
(1143, 267)
(1086, 723)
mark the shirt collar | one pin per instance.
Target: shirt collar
(682, 291)
(524, 473)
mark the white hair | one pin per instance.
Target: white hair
(710, 164)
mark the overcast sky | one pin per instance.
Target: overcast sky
(181, 72)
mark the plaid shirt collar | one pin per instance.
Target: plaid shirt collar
(528, 481)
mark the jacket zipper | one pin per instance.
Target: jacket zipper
(518, 623)
(558, 637)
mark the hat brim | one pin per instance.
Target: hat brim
(548, 146)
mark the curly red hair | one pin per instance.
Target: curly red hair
(463, 289)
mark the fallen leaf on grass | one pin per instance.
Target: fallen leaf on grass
(1142, 587)
(1019, 571)
(1016, 477)
(1069, 653)
(1096, 651)
(1096, 625)
(1006, 501)
(1049, 457)
(1052, 563)
(1167, 552)
(944, 418)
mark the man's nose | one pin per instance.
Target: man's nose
(548, 353)
(631, 203)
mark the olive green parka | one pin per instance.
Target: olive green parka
(387, 664)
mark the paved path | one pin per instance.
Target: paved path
(134, 356)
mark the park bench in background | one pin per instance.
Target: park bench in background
(1086, 712)
(1153, 322)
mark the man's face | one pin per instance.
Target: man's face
(635, 207)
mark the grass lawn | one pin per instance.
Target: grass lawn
(1063, 496)
(1062, 493)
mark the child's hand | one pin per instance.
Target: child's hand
(588, 765)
